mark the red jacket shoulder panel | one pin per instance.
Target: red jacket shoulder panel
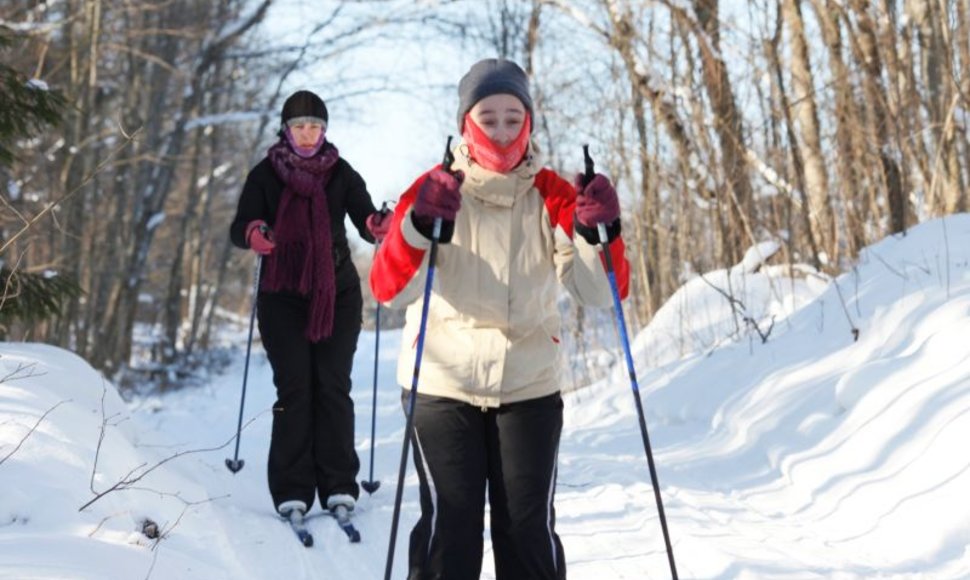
(559, 197)
(396, 261)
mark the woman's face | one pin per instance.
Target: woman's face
(306, 134)
(500, 117)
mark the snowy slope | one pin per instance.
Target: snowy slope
(809, 456)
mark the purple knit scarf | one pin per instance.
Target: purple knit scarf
(302, 261)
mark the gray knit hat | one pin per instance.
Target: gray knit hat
(492, 76)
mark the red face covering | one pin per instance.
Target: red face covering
(492, 156)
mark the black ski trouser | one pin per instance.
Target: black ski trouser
(312, 447)
(460, 452)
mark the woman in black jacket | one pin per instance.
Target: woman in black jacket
(291, 212)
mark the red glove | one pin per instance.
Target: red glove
(439, 196)
(260, 237)
(379, 224)
(596, 203)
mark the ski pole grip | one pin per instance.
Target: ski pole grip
(446, 162)
(587, 177)
(449, 157)
(590, 172)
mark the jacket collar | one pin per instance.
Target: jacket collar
(501, 189)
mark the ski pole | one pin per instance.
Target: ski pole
(235, 464)
(370, 486)
(409, 422)
(624, 339)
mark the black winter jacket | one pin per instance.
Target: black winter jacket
(346, 196)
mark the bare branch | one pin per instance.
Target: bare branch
(31, 431)
(84, 182)
(139, 472)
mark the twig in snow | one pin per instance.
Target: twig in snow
(23, 371)
(134, 475)
(30, 432)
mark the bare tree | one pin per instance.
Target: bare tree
(736, 196)
(805, 109)
(879, 122)
(809, 217)
(718, 132)
(853, 203)
(929, 18)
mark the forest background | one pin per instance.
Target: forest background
(820, 125)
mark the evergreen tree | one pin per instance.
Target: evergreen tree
(26, 106)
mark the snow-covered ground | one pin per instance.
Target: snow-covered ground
(808, 456)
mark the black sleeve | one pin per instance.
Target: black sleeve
(252, 206)
(592, 235)
(359, 203)
(425, 227)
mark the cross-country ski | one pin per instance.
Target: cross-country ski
(342, 518)
(298, 525)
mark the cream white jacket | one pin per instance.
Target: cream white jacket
(493, 324)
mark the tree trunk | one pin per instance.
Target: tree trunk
(728, 124)
(944, 189)
(796, 150)
(622, 39)
(963, 49)
(806, 113)
(848, 131)
(83, 33)
(891, 176)
(155, 179)
(202, 245)
(173, 305)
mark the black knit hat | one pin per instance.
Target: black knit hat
(304, 104)
(492, 76)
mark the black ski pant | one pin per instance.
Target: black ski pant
(312, 447)
(461, 452)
